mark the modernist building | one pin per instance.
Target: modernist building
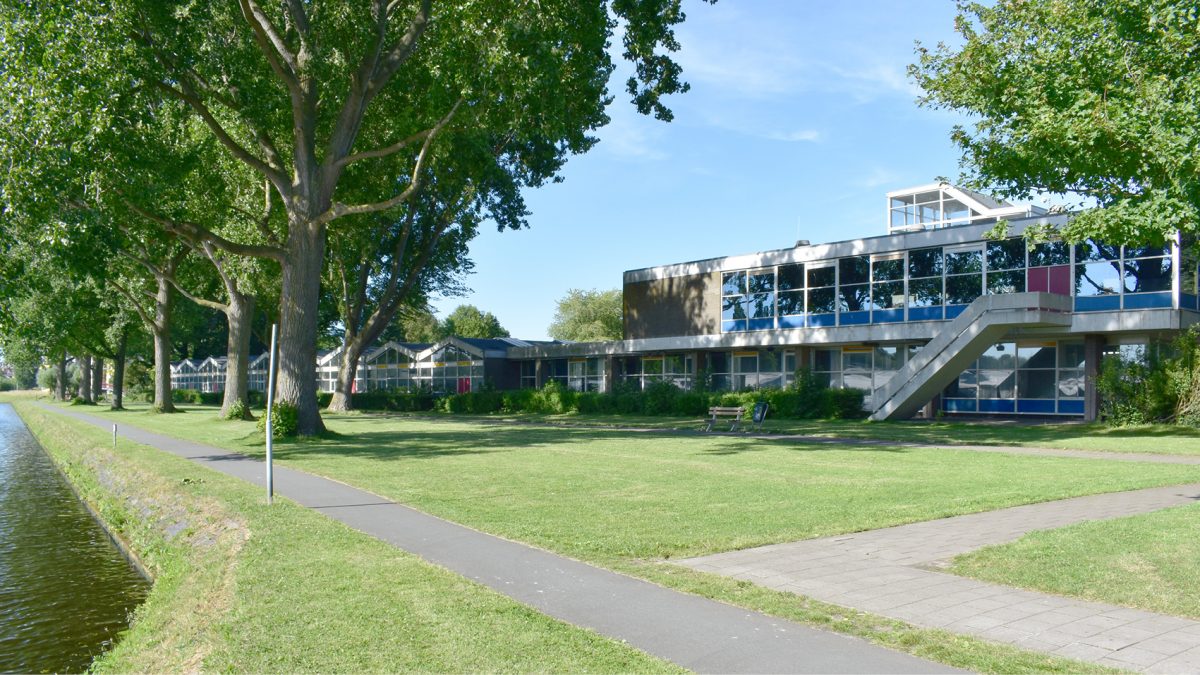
(932, 316)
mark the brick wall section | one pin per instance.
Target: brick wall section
(676, 306)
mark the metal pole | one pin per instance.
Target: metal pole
(114, 438)
(270, 430)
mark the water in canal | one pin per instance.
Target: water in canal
(66, 591)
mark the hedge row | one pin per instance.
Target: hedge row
(804, 402)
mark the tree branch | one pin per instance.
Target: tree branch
(200, 233)
(137, 307)
(339, 209)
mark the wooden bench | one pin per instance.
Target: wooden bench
(716, 413)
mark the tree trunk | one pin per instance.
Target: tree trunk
(239, 315)
(118, 382)
(85, 379)
(97, 379)
(62, 377)
(347, 370)
(298, 323)
(162, 347)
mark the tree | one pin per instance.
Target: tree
(469, 322)
(417, 325)
(312, 96)
(588, 316)
(1096, 98)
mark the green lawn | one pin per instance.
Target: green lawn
(251, 588)
(1160, 438)
(611, 495)
(627, 499)
(1150, 561)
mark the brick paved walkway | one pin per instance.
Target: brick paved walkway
(888, 572)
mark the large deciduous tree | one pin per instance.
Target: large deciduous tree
(588, 316)
(1092, 98)
(310, 95)
(471, 322)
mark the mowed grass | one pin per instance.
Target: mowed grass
(1095, 437)
(301, 592)
(625, 500)
(620, 495)
(1149, 561)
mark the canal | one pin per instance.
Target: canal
(66, 591)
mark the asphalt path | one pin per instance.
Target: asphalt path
(696, 633)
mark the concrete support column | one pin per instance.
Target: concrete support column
(1093, 351)
(803, 357)
(539, 374)
(930, 410)
(610, 374)
(700, 359)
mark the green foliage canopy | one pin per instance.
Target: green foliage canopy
(470, 322)
(588, 316)
(1093, 98)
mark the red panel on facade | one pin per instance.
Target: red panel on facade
(1060, 279)
(1036, 280)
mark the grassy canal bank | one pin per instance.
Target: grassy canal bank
(242, 587)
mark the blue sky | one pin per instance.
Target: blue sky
(800, 118)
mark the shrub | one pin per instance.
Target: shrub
(1162, 386)
(323, 399)
(846, 404)
(187, 396)
(659, 398)
(236, 411)
(7, 384)
(284, 418)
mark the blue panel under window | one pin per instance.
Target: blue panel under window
(1041, 406)
(1187, 301)
(1097, 303)
(1071, 406)
(820, 320)
(954, 310)
(996, 405)
(762, 324)
(1147, 300)
(791, 321)
(925, 313)
(733, 325)
(886, 315)
(854, 318)
(958, 404)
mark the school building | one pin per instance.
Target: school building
(933, 316)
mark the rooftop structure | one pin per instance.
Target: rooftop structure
(937, 205)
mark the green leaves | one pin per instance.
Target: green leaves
(1095, 99)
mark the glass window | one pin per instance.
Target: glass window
(997, 383)
(718, 362)
(821, 301)
(762, 282)
(1036, 356)
(1000, 355)
(791, 303)
(1000, 283)
(791, 277)
(1050, 253)
(1036, 383)
(888, 270)
(964, 262)
(887, 295)
(854, 270)
(854, 298)
(825, 359)
(652, 366)
(963, 289)
(889, 358)
(925, 262)
(925, 292)
(1147, 251)
(856, 369)
(1006, 254)
(733, 308)
(821, 276)
(1146, 275)
(1070, 383)
(733, 283)
(1097, 278)
(1092, 250)
(762, 305)
(1070, 355)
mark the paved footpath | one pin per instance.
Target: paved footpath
(697, 633)
(888, 572)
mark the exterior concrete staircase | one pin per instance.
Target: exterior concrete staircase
(959, 343)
